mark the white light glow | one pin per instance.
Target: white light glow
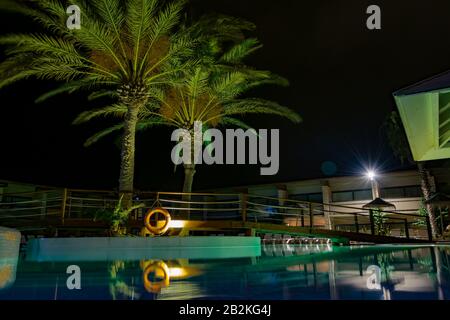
(176, 224)
(176, 272)
(371, 174)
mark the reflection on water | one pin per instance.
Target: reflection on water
(281, 272)
(286, 249)
(9, 256)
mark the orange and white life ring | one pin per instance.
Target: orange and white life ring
(155, 229)
(159, 269)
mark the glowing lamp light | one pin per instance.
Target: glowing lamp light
(177, 272)
(371, 174)
(177, 224)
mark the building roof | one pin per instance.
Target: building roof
(437, 82)
(424, 108)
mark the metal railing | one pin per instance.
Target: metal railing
(68, 204)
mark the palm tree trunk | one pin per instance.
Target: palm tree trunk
(127, 157)
(426, 190)
(189, 171)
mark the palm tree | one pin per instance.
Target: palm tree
(123, 50)
(211, 92)
(399, 144)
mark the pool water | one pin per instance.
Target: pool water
(280, 272)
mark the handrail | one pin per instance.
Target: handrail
(27, 215)
(91, 199)
(158, 193)
(201, 202)
(197, 193)
(273, 206)
(80, 204)
(323, 204)
(32, 192)
(29, 201)
(200, 209)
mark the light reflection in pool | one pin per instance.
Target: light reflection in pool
(281, 272)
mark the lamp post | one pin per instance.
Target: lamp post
(377, 204)
(374, 182)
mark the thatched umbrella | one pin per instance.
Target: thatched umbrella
(378, 203)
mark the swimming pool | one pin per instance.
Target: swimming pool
(277, 272)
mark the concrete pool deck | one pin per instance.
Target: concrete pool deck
(135, 248)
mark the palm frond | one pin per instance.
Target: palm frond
(15, 69)
(86, 83)
(270, 78)
(222, 27)
(42, 44)
(151, 122)
(196, 83)
(103, 133)
(65, 88)
(113, 15)
(166, 19)
(229, 121)
(102, 94)
(260, 106)
(229, 85)
(140, 14)
(49, 69)
(18, 76)
(240, 50)
(99, 37)
(48, 13)
(142, 125)
(115, 110)
(393, 129)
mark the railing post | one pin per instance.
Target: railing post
(406, 229)
(429, 231)
(63, 205)
(243, 199)
(302, 218)
(311, 218)
(43, 205)
(356, 223)
(372, 222)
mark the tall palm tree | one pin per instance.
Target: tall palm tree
(211, 92)
(398, 142)
(123, 49)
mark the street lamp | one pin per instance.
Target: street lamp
(371, 175)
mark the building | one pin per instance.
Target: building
(402, 188)
(424, 108)
(348, 194)
(11, 191)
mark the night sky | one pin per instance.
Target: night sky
(341, 75)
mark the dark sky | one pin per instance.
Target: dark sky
(342, 77)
